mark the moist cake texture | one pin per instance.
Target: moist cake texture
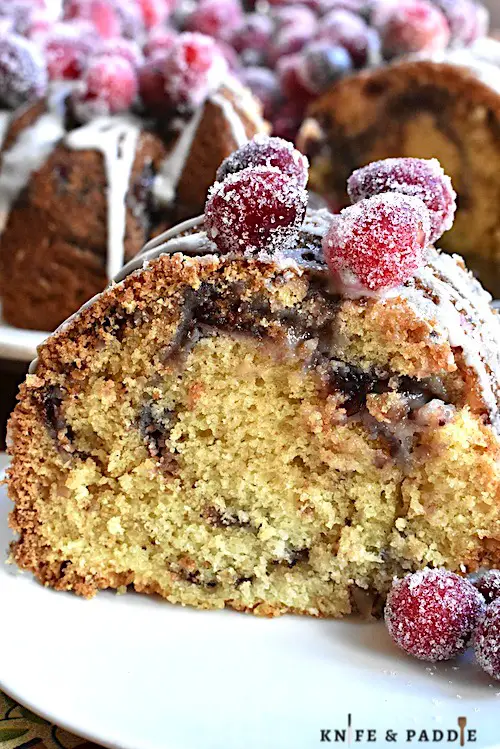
(277, 424)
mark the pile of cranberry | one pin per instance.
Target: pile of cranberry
(435, 615)
(167, 54)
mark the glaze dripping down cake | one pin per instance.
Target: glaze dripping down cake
(280, 424)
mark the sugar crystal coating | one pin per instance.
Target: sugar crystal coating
(193, 68)
(257, 210)
(23, 75)
(377, 243)
(122, 47)
(488, 584)
(101, 13)
(217, 18)
(265, 151)
(414, 26)
(421, 178)
(487, 640)
(432, 614)
(67, 49)
(109, 86)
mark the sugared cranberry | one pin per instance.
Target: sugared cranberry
(101, 13)
(193, 68)
(377, 243)
(423, 178)
(346, 29)
(216, 18)
(263, 83)
(287, 121)
(259, 209)
(432, 614)
(39, 24)
(159, 41)
(130, 17)
(126, 48)
(23, 75)
(414, 26)
(487, 640)
(322, 64)
(152, 86)
(67, 51)
(109, 86)
(155, 12)
(252, 38)
(290, 78)
(288, 42)
(355, 6)
(295, 16)
(468, 20)
(488, 584)
(271, 152)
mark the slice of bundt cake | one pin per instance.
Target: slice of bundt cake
(88, 175)
(448, 109)
(269, 411)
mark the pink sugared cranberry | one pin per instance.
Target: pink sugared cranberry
(101, 13)
(216, 18)
(23, 75)
(121, 47)
(159, 41)
(263, 83)
(378, 243)
(109, 86)
(130, 17)
(152, 86)
(270, 152)
(67, 51)
(259, 209)
(432, 614)
(252, 38)
(487, 640)
(193, 68)
(468, 19)
(423, 178)
(295, 16)
(414, 26)
(288, 41)
(155, 12)
(290, 79)
(488, 584)
(345, 29)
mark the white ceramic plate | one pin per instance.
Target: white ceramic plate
(18, 344)
(137, 673)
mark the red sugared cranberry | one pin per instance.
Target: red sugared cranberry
(290, 78)
(194, 66)
(155, 12)
(109, 87)
(423, 178)
(252, 38)
(271, 152)
(432, 614)
(152, 86)
(263, 83)
(322, 64)
(288, 119)
(126, 48)
(414, 26)
(159, 41)
(488, 584)
(130, 17)
(23, 75)
(101, 13)
(346, 29)
(468, 19)
(295, 16)
(377, 243)
(67, 51)
(259, 209)
(487, 640)
(216, 18)
(288, 42)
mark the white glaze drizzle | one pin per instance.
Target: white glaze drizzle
(30, 151)
(170, 172)
(116, 139)
(234, 120)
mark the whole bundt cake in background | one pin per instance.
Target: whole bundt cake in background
(273, 409)
(449, 109)
(100, 151)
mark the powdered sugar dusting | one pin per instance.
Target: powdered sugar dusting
(379, 242)
(431, 614)
(270, 152)
(487, 641)
(421, 178)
